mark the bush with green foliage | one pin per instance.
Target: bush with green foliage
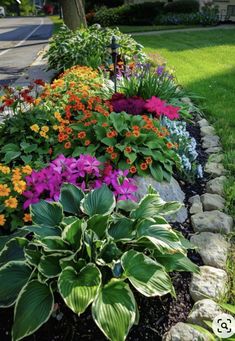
(205, 18)
(89, 249)
(89, 47)
(182, 6)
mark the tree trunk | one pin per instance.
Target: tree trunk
(73, 14)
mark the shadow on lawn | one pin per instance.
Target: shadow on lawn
(181, 41)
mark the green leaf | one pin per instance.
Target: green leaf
(79, 289)
(70, 198)
(114, 310)
(10, 147)
(13, 250)
(54, 244)
(98, 201)
(126, 205)
(9, 156)
(98, 223)
(43, 231)
(73, 234)
(13, 276)
(109, 253)
(28, 148)
(203, 331)
(46, 213)
(177, 262)
(122, 230)
(156, 171)
(49, 265)
(33, 308)
(5, 239)
(161, 236)
(228, 307)
(152, 205)
(32, 254)
(145, 274)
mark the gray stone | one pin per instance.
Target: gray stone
(196, 205)
(207, 130)
(184, 332)
(216, 186)
(204, 310)
(212, 221)
(203, 123)
(212, 202)
(216, 158)
(210, 141)
(214, 169)
(169, 191)
(213, 150)
(209, 283)
(212, 247)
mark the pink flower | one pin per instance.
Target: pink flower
(159, 107)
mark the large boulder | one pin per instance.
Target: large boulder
(184, 332)
(212, 221)
(216, 186)
(169, 191)
(212, 202)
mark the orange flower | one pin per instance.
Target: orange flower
(128, 134)
(169, 145)
(128, 149)
(136, 133)
(20, 186)
(114, 156)
(143, 166)
(109, 150)
(4, 190)
(2, 219)
(81, 135)
(109, 134)
(87, 142)
(27, 170)
(104, 124)
(11, 202)
(27, 218)
(132, 169)
(148, 160)
(128, 161)
(67, 145)
(136, 128)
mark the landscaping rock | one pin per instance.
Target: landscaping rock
(196, 205)
(212, 247)
(207, 131)
(216, 186)
(210, 141)
(203, 123)
(212, 221)
(213, 150)
(204, 310)
(210, 282)
(184, 332)
(216, 158)
(212, 202)
(169, 191)
(214, 169)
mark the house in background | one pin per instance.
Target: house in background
(226, 7)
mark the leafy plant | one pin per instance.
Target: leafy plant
(89, 248)
(69, 48)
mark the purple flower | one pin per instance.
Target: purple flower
(125, 191)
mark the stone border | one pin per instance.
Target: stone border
(211, 226)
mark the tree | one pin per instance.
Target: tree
(73, 13)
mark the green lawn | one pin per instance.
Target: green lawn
(204, 63)
(147, 28)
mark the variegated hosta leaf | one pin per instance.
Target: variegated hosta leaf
(33, 308)
(79, 289)
(46, 213)
(70, 198)
(13, 276)
(73, 234)
(49, 265)
(114, 310)
(145, 274)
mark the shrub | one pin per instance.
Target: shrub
(88, 47)
(88, 253)
(182, 6)
(206, 17)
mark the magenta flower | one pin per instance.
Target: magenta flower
(125, 190)
(159, 107)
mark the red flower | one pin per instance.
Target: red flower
(39, 82)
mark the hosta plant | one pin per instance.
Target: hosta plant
(92, 251)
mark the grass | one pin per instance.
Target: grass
(57, 22)
(148, 28)
(204, 63)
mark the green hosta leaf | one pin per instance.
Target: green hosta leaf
(33, 308)
(161, 236)
(54, 244)
(44, 231)
(156, 171)
(177, 262)
(47, 213)
(109, 253)
(13, 250)
(79, 289)
(5, 239)
(98, 223)
(114, 310)
(98, 201)
(33, 255)
(145, 274)
(122, 230)
(73, 234)
(228, 307)
(70, 198)
(13, 276)
(126, 205)
(49, 265)
(152, 205)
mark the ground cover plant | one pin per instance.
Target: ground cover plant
(211, 79)
(88, 249)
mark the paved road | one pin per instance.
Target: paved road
(20, 41)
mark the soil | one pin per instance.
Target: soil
(157, 315)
